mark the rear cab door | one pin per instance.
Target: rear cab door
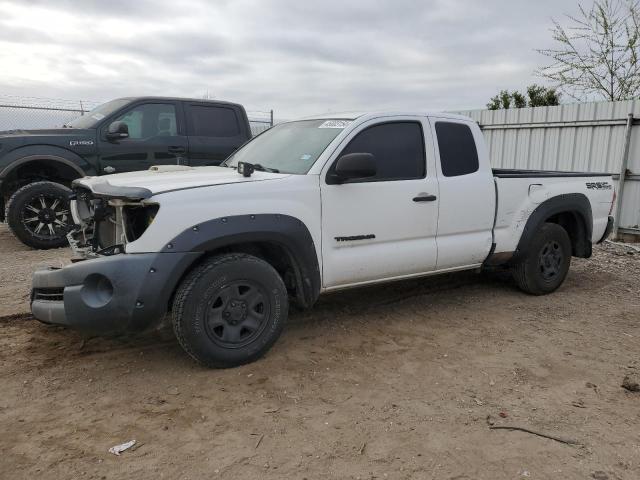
(156, 137)
(215, 131)
(382, 227)
(467, 193)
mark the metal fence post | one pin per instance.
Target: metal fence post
(271, 118)
(623, 174)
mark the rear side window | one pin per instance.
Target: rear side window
(398, 148)
(210, 121)
(458, 154)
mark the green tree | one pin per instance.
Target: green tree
(542, 97)
(537, 96)
(596, 54)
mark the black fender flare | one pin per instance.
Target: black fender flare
(31, 153)
(289, 233)
(576, 204)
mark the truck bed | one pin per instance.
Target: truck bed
(517, 173)
(520, 192)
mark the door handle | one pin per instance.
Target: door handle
(425, 198)
(176, 150)
(109, 169)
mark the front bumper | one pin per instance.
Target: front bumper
(111, 294)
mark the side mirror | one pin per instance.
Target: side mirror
(117, 130)
(354, 165)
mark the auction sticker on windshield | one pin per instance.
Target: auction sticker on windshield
(335, 124)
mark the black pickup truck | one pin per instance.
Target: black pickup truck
(126, 134)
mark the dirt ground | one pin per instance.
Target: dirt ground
(396, 381)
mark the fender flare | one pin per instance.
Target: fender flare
(289, 233)
(27, 154)
(576, 204)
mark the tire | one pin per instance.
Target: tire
(38, 215)
(547, 261)
(230, 310)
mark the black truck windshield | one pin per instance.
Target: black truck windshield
(91, 119)
(289, 147)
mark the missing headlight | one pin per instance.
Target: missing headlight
(136, 219)
(105, 226)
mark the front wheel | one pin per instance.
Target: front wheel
(546, 263)
(38, 215)
(230, 310)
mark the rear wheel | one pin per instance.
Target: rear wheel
(547, 262)
(230, 310)
(38, 215)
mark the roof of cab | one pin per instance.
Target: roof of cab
(183, 99)
(368, 115)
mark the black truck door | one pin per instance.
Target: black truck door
(215, 131)
(156, 137)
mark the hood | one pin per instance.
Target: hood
(46, 132)
(167, 178)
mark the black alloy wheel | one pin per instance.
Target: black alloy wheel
(230, 310)
(550, 260)
(546, 261)
(38, 215)
(237, 313)
(46, 217)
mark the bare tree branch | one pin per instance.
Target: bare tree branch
(597, 55)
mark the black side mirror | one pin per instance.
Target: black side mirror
(117, 130)
(354, 165)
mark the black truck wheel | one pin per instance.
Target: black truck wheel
(230, 310)
(547, 261)
(38, 215)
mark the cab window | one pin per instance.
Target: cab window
(458, 153)
(150, 120)
(398, 149)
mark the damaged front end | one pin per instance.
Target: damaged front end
(107, 218)
(109, 292)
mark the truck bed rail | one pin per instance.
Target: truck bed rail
(517, 173)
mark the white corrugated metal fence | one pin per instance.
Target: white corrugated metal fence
(587, 137)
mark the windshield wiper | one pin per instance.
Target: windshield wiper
(246, 168)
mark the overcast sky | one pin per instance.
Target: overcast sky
(298, 57)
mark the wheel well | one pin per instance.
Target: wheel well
(574, 223)
(274, 254)
(37, 170)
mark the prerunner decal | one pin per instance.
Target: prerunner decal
(599, 186)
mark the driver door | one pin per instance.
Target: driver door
(385, 226)
(156, 137)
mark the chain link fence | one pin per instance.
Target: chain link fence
(35, 112)
(260, 121)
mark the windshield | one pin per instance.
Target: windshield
(289, 147)
(90, 119)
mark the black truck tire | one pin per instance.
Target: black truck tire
(547, 261)
(230, 310)
(38, 215)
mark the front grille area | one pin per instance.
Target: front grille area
(50, 294)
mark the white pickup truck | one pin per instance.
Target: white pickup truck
(308, 207)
